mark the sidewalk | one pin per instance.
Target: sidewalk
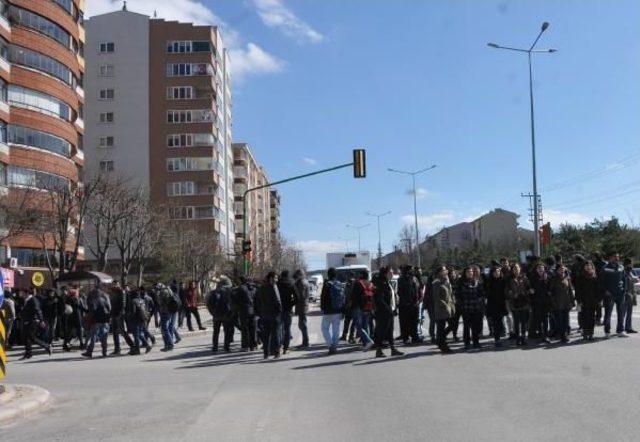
(18, 401)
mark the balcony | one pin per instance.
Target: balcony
(80, 123)
(5, 65)
(4, 23)
(80, 91)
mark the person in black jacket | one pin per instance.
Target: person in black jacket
(385, 308)
(269, 308)
(118, 301)
(588, 297)
(32, 322)
(219, 305)
(495, 291)
(244, 296)
(288, 298)
(408, 308)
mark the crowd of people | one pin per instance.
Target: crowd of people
(521, 302)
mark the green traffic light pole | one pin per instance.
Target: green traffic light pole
(246, 192)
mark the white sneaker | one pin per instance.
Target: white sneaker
(368, 346)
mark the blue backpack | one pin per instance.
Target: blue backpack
(337, 295)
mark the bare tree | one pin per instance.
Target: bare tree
(16, 213)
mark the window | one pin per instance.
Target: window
(106, 117)
(33, 21)
(203, 139)
(179, 140)
(106, 70)
(39, 102)
(40, 62)
(201, 46)
(198, 212)
(181, 188)
(107, 141)
(190, 164)
(179, 116)
(180, 93)
(22, 177)
(178, 46)
(106, 47)
(35, 138)
(31, 257)
(67, 5)
(181, 212)
(188, 69)
(107, 94)
(190, 116)
(106, 166)
(3, 132)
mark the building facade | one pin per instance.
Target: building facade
(42, 67)
(159, 115)
(262, 206)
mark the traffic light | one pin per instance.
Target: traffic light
(546, 234)
(359, 163)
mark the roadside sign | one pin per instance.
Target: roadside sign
(37, 279)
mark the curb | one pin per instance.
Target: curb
(26, 399)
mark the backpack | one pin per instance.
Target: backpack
(102, 312)
(173, 302)
(140, 310)
(337, 295)
(367, 290)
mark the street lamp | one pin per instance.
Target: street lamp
(415, 204)
(378, 216)
(531, 50)
(358, 229)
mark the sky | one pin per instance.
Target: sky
(414, 83)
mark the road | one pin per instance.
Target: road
(575, 392)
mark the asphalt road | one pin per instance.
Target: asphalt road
(573, 392)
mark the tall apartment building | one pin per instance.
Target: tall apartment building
(263, 205)
(159, 114)
(41, 106)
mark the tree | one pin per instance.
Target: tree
(17, 213)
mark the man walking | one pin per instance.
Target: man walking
(219, 305)
(409, 297)
(615, 285)
(363, 298)
(269, 308)
(191, 299)
(244, 300)
(99, 311)
(118, 310)
(168, 307)
(288, 297)
(332, 304)
(302, 305)
(32, 323)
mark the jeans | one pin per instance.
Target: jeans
(302, 325)
(99, 331)
(228, 327)
(520, 323)
(628, 317)
(363, 320)
(609, 301)
(561, 323)
(138, 335)
(472, 327)
(176, 334)
(432, 322)
(286, 329)
(271, 335)
(167, 327)
(331, 329)
(247, 331)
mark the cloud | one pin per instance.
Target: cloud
(275, 14)
(246, 59)
(310, 161)
(432, 222)
(421, 192)
(315, 251)
(558, 217)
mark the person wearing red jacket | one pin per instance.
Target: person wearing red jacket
(192, 306)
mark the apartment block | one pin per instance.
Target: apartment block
(42, 69)
(159, 115)
(262, 206)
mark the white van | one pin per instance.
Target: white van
(315, 286)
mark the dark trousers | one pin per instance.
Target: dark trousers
(520, 323)
(286, 330)
(589, 316)
(472, 327)
(193, 311)
(561, 322)
(609, 302)
(349, 327)
(247, 331)
(271, 339)
(137, 329)
(442, 330)
(497, 326)
(73, 322)
(384, 330)
(228, 333)
(432, 322)
(30, 337)
(302, 325)
(409, 317)
(539, 321)
(117, 328)
(454, 323)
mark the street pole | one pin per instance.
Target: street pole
(358, 228)
(415, 206)
(536, 206)
(378, 216)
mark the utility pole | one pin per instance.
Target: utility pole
(378, 216)
(358, 229)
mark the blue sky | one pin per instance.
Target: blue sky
(414, 83)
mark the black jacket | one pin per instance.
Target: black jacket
(32, 310)
(408, 290)
(287, 294)
(118, 300)
(268, 303)
(495, 291)
(243, 300)
(382, 298)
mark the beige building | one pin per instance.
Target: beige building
(262, 206)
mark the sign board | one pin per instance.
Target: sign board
(37, 279)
